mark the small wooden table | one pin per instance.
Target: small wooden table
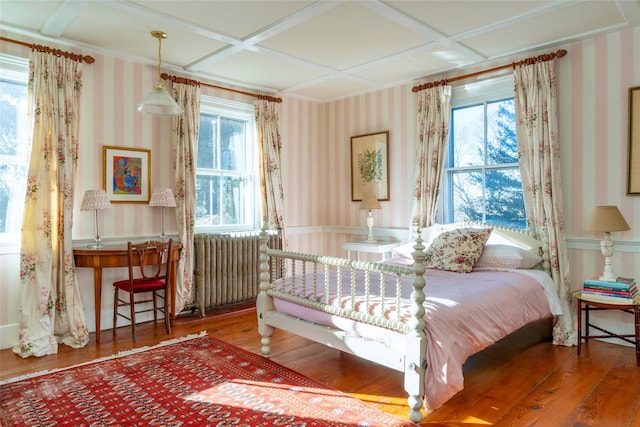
(112, 256)
(590, 305)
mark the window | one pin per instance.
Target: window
(226, 184)
(15, 146)
(482, 176)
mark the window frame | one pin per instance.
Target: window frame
(15, 70)
(469, 95)
(210, 105)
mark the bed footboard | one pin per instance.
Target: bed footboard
(364, 292)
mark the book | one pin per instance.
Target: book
(614, 286)
(609, 299)
(599, 292)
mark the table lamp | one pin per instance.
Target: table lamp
(162, 197)
(95, 200)
(370, 202)
(607, 219)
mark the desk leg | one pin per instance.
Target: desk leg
(97, 295)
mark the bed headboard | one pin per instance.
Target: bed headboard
(499, 235)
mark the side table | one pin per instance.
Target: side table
(590, 305)
(379, 246)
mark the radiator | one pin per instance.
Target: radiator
(226, 268)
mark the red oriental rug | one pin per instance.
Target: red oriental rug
(199, 381)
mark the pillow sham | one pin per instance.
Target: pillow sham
(507, 256)
(457, 250)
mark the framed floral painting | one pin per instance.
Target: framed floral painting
(370, 166)
(126, 174)
(633, 172)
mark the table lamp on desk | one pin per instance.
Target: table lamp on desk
(95, 200)
(163, 197)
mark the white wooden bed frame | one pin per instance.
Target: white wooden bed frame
(412, 361)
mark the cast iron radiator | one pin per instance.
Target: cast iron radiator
(226, 267)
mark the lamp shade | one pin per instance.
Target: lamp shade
(607, 218)
(162, 197)
(159, 103)
(369, 202)
(94, 200)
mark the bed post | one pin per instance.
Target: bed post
(264, 302)
(415, 354)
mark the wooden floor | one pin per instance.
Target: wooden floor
(506, 385)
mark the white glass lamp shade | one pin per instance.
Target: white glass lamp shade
(162, 197)
(159, 103)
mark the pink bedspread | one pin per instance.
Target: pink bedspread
(465, 313)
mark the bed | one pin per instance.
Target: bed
(456, 290)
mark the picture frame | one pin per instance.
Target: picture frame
(370, 166)
(126, 174)
(633, 153)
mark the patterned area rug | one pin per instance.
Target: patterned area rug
(199, 381)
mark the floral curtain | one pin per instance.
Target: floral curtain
(539, 149)
(51, 309)
(185, 141)
(434, 113)
(269, 149)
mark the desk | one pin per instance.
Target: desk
(112, 256)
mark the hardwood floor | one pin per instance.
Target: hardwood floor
(505, 385)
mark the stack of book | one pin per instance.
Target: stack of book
(622, 291)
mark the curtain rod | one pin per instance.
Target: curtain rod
(540, 58)
(74, 56)
(184, 80)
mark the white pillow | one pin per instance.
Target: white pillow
(457, 250)
(507, 256)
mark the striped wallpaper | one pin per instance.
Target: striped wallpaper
(593, 81)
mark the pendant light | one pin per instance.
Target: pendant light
(159, 102)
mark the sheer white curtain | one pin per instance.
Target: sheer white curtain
(185, 141)
(51, 309)
(269, 149)
(434, 114)
(539, 149)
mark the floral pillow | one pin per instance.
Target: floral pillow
(457, 250)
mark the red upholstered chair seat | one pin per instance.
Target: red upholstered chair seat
(149, 267)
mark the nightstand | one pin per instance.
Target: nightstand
(380, 246)
(591, 305)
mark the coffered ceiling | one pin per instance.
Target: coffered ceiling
(318, 50)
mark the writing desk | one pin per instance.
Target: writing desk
(113, 256)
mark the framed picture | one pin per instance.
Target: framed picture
(633, 172)
(370, 165)
(126, 174)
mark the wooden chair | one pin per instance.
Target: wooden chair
(150, 270)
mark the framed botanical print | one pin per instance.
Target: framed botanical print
(370, 165)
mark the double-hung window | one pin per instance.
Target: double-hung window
(482, 177)
(15, 147)
(226, 172)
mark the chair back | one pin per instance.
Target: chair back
(150, 259)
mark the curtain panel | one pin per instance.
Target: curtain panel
(185, 141)
(539, 151)
(434, 114)
(51, 308)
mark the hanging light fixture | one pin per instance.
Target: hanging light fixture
(159, 102)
